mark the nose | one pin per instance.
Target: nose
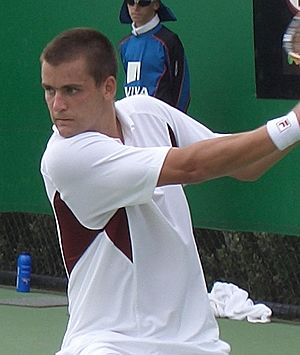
(59, 103)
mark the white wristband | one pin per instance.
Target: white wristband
(284, 131)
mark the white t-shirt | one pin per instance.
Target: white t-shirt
(136, 286)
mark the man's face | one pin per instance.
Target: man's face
(140, 15)
(76, 104)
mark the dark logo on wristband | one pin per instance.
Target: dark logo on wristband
(283, 125)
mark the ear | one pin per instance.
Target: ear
(110, 87)
(156, 5)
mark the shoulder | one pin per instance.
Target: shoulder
(63, 155)
(146, 110)
(68, 146)
(124, 40)
(167, 36)
(140, 104)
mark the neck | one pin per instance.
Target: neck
(119, 133)
(146, 27)
(113, 129)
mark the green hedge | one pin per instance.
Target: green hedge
(265, 265)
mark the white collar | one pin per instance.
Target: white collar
(147, 27)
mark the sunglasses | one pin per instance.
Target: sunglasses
(142, 3)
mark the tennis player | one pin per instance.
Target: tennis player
(113, 172)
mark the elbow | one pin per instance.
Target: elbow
(250, 179)
(246, 177)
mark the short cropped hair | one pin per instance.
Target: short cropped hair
(83, 42)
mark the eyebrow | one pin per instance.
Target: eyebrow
(45, 85)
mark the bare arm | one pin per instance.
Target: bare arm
(253, 171)
(244, 156)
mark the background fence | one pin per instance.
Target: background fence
(265, 265)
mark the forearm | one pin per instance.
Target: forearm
(255, 170)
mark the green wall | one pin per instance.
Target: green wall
(218, 38)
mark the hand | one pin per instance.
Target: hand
(294, 58)
(296, 109)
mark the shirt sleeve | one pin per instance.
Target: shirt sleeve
(180, 77)
(96, 175)
(186, 129)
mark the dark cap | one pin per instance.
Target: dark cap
(164, 13)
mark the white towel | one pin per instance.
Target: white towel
(229, 301)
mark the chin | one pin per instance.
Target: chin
(65, 133)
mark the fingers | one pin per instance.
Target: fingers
(296, 109)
